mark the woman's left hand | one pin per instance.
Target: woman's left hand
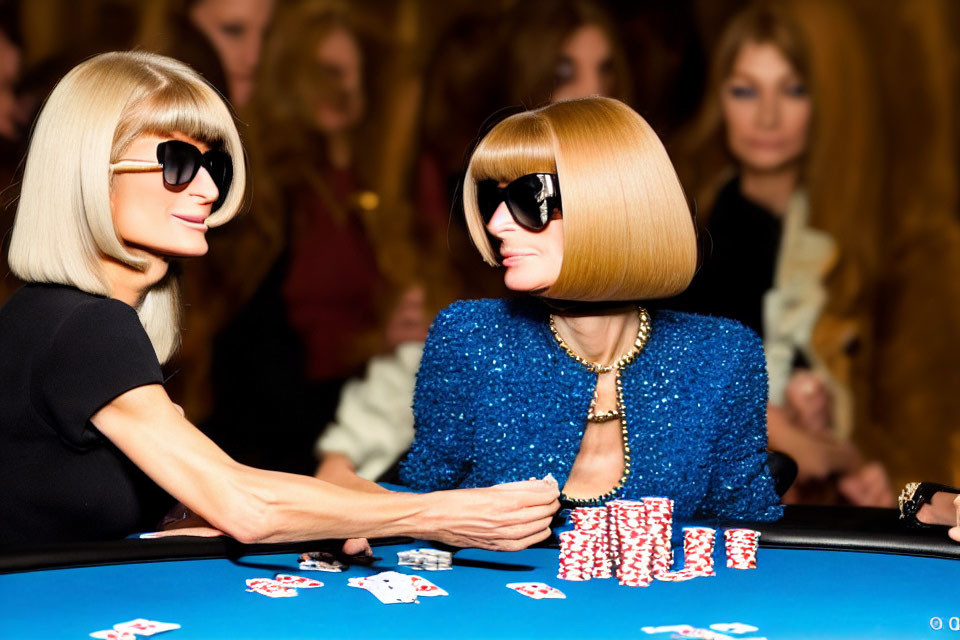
(955, 531)
(809, 402)
(868, 486)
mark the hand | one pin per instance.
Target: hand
(955, 531)
(408, 321)
(818, 456)
(506, 517)
(809, 403)
(356, 547)
(868, 486)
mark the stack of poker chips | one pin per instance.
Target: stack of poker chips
(659, 523)
(631, 540)
(626, 538)
(741, 546)
(425, 559)
(577, 552)
(698, 551)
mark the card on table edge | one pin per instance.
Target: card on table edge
(144, 627)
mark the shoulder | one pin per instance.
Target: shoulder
(711, 339)
(59, 307)
(487, 317)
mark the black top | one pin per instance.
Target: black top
(740, 247)
(64, 354)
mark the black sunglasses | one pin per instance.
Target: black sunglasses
(533, 200)
(180, 162)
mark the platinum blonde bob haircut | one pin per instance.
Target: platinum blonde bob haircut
(64, 226)
(628, 231)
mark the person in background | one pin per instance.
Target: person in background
(317, 298)
(783, 160)
(236, 29)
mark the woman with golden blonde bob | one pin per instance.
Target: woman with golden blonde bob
(580, 204)
(133, 158)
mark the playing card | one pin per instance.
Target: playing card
(299, 582)
(389, 587)
(672, 628)
(424, 587)
(733, 627)
(704, 634)
(269, 588)
(320, 561)
(113, 634)
(144, 627)
(536, 590)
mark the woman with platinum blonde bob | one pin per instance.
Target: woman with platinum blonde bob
(133, 157)
(580, 204)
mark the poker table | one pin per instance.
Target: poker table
(821, 573)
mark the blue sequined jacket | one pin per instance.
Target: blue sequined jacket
(497, 400)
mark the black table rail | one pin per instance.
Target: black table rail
(802, 527)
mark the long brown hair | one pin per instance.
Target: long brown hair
(537, 32)
(842, 169)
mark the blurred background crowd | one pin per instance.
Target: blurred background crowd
(817, 139)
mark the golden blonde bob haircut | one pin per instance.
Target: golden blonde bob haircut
(628, 233)
(64, 226)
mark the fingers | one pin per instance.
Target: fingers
(954, 533)
(199, 532)
(523, 543)
(546, 487)
(357, 546)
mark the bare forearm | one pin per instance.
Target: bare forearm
(337, 469)
(294, 507)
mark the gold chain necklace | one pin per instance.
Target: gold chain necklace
(643, 335)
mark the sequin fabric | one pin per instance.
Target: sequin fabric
(497, 400)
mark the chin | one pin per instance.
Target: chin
(768, 163)
(524, 283)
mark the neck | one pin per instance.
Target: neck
(771, 189)
(131, 285)
(601, 336)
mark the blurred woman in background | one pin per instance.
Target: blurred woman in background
(784, 157)
(308, 257)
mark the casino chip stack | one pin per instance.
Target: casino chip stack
(698, 550)
(631, 540)
(659, 523)
(741, 547)
(425, 559)
(576, 555)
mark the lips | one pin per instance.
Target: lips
(196, 219)
(512, 257)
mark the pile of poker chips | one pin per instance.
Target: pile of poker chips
(425, 559)
(741, 546)
(631, 539)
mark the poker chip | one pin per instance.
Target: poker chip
(698, 545)
(741, 547)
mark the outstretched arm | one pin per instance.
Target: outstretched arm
(254, 505)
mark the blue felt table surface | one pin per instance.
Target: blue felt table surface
(793, 594)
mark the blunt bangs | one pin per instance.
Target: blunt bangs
(521, 144)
